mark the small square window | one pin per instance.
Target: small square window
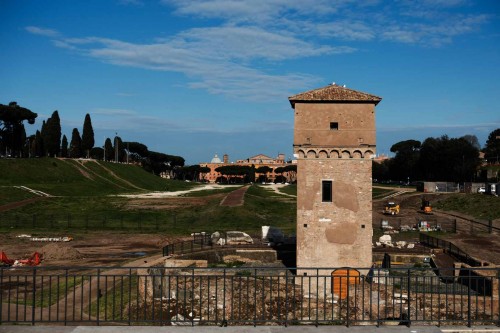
(326, 193)
(334, 126)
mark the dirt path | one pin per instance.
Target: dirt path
(235, 198)
(158, 195)
(112, 173)
(276, 188)
(17, 204)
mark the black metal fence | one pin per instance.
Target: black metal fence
(131, 221)
(450, 248)
(248, 296)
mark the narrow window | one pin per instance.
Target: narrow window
(326, 190)
(334, 126)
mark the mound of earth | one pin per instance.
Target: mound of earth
(60, 251)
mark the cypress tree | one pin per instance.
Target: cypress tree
(109, 152)
(75, 147)
(52, 135)
(42, 138)
(64, 147)
(38, 144)
(118, 150)
(87, 135)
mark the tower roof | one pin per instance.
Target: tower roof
(333, 94)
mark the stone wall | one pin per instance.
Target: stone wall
(337, 233)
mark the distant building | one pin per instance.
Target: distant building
(257, 161)
(381, 158)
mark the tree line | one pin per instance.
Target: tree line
(49, 141)
(439, 159)
(240, 173)
(442, 158)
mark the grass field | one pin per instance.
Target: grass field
(480, 206)
(67, 177)
(85, 199)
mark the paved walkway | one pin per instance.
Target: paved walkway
(250, 329)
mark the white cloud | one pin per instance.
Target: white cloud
(240, 57)
(42, 31)
(113, 112)
(471, 127)
(255, 10)
(131, 2)
(427, 22)
(220, 59)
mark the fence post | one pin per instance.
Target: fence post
(498, 287)
(469, 324)
(33, 299)
(98, 290)
(409, 298)
(347, 298)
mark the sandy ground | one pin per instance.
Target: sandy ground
(177, 193)
(89, 249)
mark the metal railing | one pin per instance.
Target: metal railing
(248, 296)
(450, 248)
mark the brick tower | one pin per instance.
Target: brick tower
(334, 142)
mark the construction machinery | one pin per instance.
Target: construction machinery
(426, 207)
(391, 208)
(34, 260)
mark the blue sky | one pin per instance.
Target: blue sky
(195, 78)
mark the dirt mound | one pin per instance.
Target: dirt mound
(60, 251)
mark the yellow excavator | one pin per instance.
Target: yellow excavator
(391, 208)
(426, 207)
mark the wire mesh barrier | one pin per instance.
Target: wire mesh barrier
(248, 296)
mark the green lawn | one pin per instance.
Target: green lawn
(85, 199)
(67, 177)
(111, 213)
(480, 206)
(379, 193)
(10, 194)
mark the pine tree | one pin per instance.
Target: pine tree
(87, 135)
(75, 147)
(64, 147)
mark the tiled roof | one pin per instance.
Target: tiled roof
(334, 93)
